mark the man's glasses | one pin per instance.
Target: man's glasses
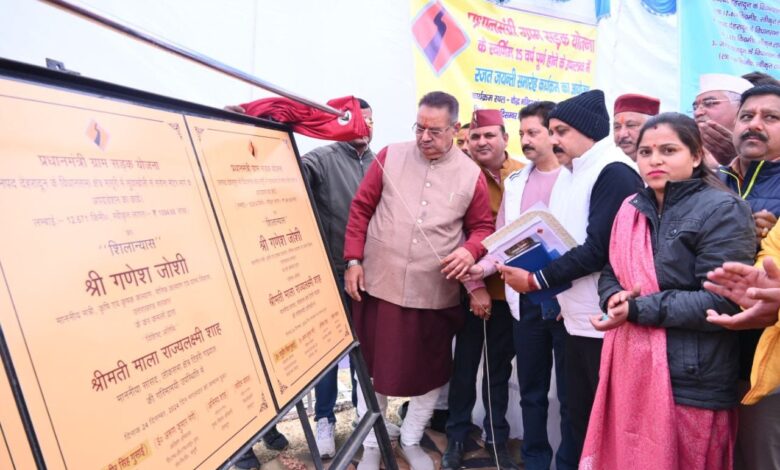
(707, 103)
(432, 131)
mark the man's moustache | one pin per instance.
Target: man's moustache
(625, 141)
(557, 149)
(528, 147)
(748, 134)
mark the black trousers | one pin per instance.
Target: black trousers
(583, 356)
(463, 393)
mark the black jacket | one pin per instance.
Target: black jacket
(699, 228)
(334, 173)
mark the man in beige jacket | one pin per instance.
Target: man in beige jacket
(415, 225)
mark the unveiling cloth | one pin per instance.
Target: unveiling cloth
(311, 121)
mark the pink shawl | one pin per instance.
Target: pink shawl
(632, 423)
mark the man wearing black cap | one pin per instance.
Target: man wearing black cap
(585, 199)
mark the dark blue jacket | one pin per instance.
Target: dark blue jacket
(761, 186)
(761, 189)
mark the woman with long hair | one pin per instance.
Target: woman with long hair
(668, 379)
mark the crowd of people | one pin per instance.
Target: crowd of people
(671, 317)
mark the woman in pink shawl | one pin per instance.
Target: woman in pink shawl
(667, 384)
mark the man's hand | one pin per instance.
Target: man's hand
(718, 141)
(479, 303)
(457, 263)
(760, 315)
(516, 278)
(764, 220)
(617, 310)
(758, 291)
(475, 273)
(235, 108)
(732, 281)
(353, 282)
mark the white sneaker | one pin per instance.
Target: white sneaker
(418, 459)
(371, 458)
(392, 430)
(326, 442)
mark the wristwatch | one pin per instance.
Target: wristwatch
(353, 262)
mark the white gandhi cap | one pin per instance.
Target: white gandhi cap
(723, 82)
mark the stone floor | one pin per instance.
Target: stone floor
(298, 457)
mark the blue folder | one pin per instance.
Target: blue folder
(532, 259)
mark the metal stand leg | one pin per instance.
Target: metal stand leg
(372, 419)
(315, 452)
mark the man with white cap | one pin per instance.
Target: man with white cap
(715, 111)
(631, 112)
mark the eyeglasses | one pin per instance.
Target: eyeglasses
(707, 103)
(432, 131)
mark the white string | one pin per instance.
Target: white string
(490, 404)
(409, 211)
(485, 308)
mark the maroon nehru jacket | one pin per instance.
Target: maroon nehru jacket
(637, 104)
(486, 117)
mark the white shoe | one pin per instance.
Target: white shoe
(326, 442)
(418, 459)
(392, 430)
(371, 458)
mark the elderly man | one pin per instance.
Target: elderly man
(415, 225)
(715, 109)
(487, 144)
(631, 112)
(596, 178)
(755, 175)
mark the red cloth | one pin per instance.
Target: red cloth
(634, 422)
(311, 121)
(370, 192)
(408, 351)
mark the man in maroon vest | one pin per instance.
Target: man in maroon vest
(415, 225)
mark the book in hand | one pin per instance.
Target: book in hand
(531, 242)
(532, 256)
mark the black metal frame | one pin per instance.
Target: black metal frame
(372, 417)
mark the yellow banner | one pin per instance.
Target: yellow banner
(492, 57)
